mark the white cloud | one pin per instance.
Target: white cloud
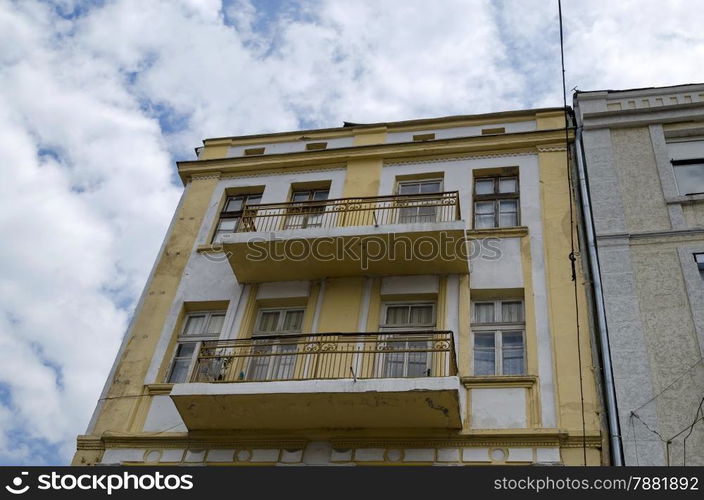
(87, 168)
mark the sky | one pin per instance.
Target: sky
(99, 99)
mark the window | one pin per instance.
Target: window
(232, 215)
(306, 214)
(197, 328)
(699, 259)
(495, 202)
(413, 357)
(423, 137)
(419, 211)
(270, 360)
(499, 346)
(689, 175)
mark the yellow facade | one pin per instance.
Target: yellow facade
(450, 414)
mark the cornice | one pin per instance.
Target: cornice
(459, 146)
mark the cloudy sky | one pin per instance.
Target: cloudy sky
(99, 99)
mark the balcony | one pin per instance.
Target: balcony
(330, 380)
(349, 237)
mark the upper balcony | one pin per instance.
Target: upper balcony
(332, 380)
(401, 234)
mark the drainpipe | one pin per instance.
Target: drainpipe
(603, 337)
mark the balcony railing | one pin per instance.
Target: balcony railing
(405, 354)
(367, 211)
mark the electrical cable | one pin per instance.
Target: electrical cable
(572, 255)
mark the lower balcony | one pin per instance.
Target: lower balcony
(333, 380)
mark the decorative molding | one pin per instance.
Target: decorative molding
(497, 232)
(202, 177)
(292, 171)
(158, 389)
(550, 149)
(436, 159)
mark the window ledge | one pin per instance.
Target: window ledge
(499, 381)
(158, 389)
(689, 198)
(498, 232)
(209, 248)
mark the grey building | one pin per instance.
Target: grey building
(641, 160)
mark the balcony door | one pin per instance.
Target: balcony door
(273, 356)
(304, 212)
(404, 356)
(418, 209)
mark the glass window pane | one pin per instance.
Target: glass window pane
(512, 353)
(179, 371)
(259, 364)
(215, 324)
(690, 178)
(293, 321)
(300, 196)
(508, 213)
(268, 321)
(185, 350)
(228, 224)
(511, 312)
(194, 325)
(284, 364)
(234, 204)
(484, 340)
(417, 361)
(409, 188)
(484, 186)
(320, 195)
(484, 221)
(397, 315)
(484, 207)
(484, 354)
(430, 187)
(253, 199)
(421, 315)
(508, 185)
(484, 312)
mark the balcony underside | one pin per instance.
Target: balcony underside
(400, 249)
(432, 402)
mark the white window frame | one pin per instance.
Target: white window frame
(195, 338)
(385, 327)
(274, 362)
(418, 181)
(498, 327)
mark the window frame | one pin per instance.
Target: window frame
(496, 198)
(236, 215)
(383, 361)
(303, 212)
(417, 216)
(271, 366)
(279, 323)
(195, 339)
(684, 163)
(499, 328)
(699, 262)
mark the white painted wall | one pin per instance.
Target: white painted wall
(449, 133)
(504, 272)
(283, 289)
(291, 146)
(498, 408)
(163, 416)
(392, 285)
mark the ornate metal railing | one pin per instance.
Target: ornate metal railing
(390, 354)
(367, 211)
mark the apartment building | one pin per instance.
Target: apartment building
(390, 293)
(643, 161)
